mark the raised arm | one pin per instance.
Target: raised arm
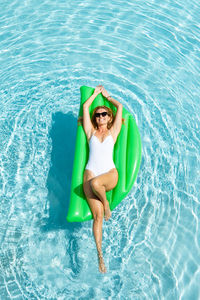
(118, 118)
(87, 124)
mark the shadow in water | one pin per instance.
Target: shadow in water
(63, 137)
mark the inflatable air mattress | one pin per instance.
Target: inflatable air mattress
(126, 156)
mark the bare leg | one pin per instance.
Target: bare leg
(107, 181)
(96, 207)
(100, 191)
(103, 183)
(97, 231)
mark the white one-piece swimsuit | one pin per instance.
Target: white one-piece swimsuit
(101, 155)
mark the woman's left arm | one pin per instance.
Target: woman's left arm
(118, 117)
(117, 124)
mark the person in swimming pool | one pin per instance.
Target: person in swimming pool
(100, 173)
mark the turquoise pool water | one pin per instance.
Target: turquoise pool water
(146, 54)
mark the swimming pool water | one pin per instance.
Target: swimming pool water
(146, 54)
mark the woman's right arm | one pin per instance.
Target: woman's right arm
(87, 124)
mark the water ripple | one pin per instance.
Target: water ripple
(147, 55)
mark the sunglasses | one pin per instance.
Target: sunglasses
(103, 114)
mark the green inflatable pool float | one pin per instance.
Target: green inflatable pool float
(126, 156)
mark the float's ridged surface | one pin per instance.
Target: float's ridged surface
(127, 157)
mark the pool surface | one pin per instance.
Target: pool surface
(147, 55)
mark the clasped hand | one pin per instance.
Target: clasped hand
(100, 89)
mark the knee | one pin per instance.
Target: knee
(94, 184)
(98, 216)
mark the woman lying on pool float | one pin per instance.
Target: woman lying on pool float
(100, 174)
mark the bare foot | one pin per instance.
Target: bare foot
(107, 211)
(102, 267)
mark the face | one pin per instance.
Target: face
(101, 119)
